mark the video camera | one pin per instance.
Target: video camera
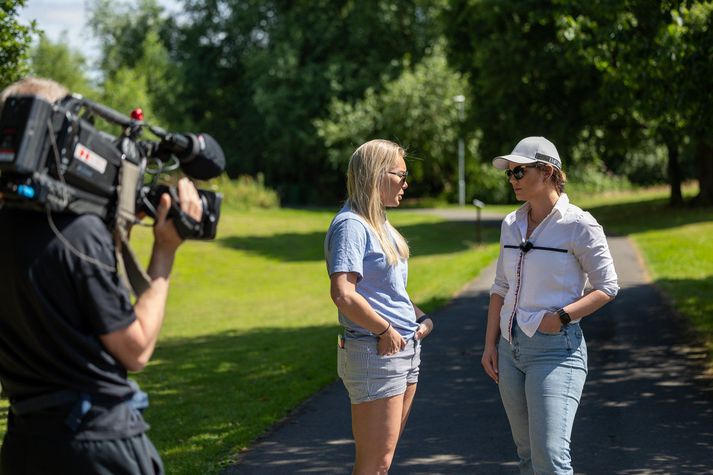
(53, 158)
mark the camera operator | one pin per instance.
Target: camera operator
(69, 334)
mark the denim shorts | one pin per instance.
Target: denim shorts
(368, 376)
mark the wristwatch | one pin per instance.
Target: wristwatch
(564, 317)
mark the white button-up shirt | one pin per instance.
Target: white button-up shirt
(569, 248)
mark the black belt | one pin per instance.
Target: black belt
(43, 401)
(81, 403)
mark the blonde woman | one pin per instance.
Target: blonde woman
(367, 260)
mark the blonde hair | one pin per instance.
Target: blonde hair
(368, 168)
(47, 89)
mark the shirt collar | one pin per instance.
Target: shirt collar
(562, 204)
(560, 207)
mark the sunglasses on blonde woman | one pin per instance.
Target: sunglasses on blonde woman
(402, 175)
(518, 172)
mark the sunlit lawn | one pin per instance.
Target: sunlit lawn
(250, 329)
(676, 244)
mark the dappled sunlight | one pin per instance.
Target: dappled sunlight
(287, 457)
(441, 459)
(645, 407)
(250, 327)
(637, 387)
(340, 442)
(647, 214)
(206, 392)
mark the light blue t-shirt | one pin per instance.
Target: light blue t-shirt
(352, 246)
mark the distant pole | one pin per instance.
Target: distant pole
(479, 205)
(460, 101)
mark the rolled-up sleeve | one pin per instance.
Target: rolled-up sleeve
(592, 251)
(346, 246)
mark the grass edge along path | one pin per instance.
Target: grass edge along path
(675, 244)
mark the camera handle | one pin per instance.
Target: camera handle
(186, 226)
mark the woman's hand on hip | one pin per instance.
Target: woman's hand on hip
(490, 362)
(424, 329)
(550, 323)
(391, 342)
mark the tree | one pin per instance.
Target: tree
(417, 110)
(127, 90)
(59, 62)
(122, 28)
(656, 61)
(602, 77)
(136, 68)
(692, 26)
(15, 41)
(523, 79)
(260, 72)
(620, 40)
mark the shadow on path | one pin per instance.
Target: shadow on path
(645, 410)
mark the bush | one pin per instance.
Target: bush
(418, 111)
(589, 179)
(646, 166)
(489, 184)
(246, 192)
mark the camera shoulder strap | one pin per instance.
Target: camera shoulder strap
(134, 276)
(131, 272)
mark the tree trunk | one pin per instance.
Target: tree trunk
(674, 173)
(704, 170)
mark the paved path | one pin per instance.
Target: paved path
(645, 409)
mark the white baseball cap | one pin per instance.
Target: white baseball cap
(531, 150)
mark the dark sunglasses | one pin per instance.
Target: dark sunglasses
(402, 175)
(518, 172)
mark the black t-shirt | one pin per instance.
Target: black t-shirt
(54, 305)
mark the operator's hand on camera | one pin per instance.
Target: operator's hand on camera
(190, 201)
(165, 234)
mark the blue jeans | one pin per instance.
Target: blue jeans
(541, 381)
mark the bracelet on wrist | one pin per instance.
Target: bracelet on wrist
(423, 318)
(387, 329)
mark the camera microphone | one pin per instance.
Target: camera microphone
(200, 155)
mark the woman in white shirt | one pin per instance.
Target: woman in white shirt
(534, 346)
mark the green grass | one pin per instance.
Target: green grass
(250, 329)
(676, 244)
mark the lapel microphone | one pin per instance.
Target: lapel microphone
(526, 246)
